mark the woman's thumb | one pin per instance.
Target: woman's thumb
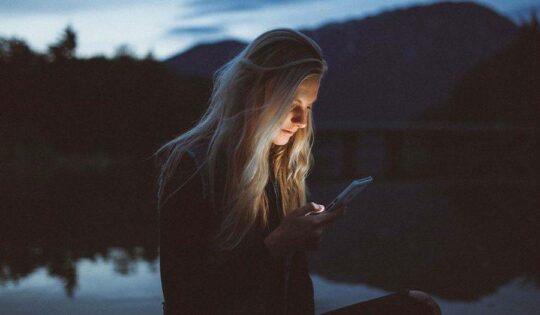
(309, 207)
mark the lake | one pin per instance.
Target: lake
(86, 243)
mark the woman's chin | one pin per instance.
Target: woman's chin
(281, 141)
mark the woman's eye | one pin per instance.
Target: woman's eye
(295, 105)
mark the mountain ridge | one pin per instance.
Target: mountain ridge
(388, 67)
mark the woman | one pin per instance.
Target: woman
(234, 223)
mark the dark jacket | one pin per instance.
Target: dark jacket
(199, 280)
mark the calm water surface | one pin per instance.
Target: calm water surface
(77, 245)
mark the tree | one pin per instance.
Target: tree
(502, 88)
(124, 51)
(64, 49)
(16, 51)
(150, 56)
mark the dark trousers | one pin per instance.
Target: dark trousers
(402, 303)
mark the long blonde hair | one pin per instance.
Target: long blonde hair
(241, 122)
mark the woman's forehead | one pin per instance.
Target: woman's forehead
(308, 88)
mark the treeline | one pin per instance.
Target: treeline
(118, 106)
(505, 88)
(497, 106)
(127, 106)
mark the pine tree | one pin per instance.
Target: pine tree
(64, 49)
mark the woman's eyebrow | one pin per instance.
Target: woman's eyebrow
(301, 101)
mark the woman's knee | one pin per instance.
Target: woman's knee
(426, 300)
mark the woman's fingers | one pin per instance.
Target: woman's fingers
(328, 217)
(306, 231)
(308, 208)
(341, 210)
(314, 240)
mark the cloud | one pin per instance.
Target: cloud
(195, 30)
(208, 7)
(61, 6)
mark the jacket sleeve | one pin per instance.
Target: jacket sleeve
(193, 280)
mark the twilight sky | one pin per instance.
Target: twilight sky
(167, 27)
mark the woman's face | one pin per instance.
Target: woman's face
(297, 118)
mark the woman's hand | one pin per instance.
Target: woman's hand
(299, 231)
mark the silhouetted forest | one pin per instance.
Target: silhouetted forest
(119, 106)
(503, 88)
(494, 111)
(124, 106)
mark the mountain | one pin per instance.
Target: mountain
(203, 60)
(502, 89)
(389, 67)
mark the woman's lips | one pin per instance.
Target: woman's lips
(288, 132)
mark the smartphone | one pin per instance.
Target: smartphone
(347, 194)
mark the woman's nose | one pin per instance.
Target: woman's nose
(300, 118)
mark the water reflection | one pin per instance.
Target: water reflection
(56, 221)
(460, 240)
(515, 297)
(100, 290)
(103, 291)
